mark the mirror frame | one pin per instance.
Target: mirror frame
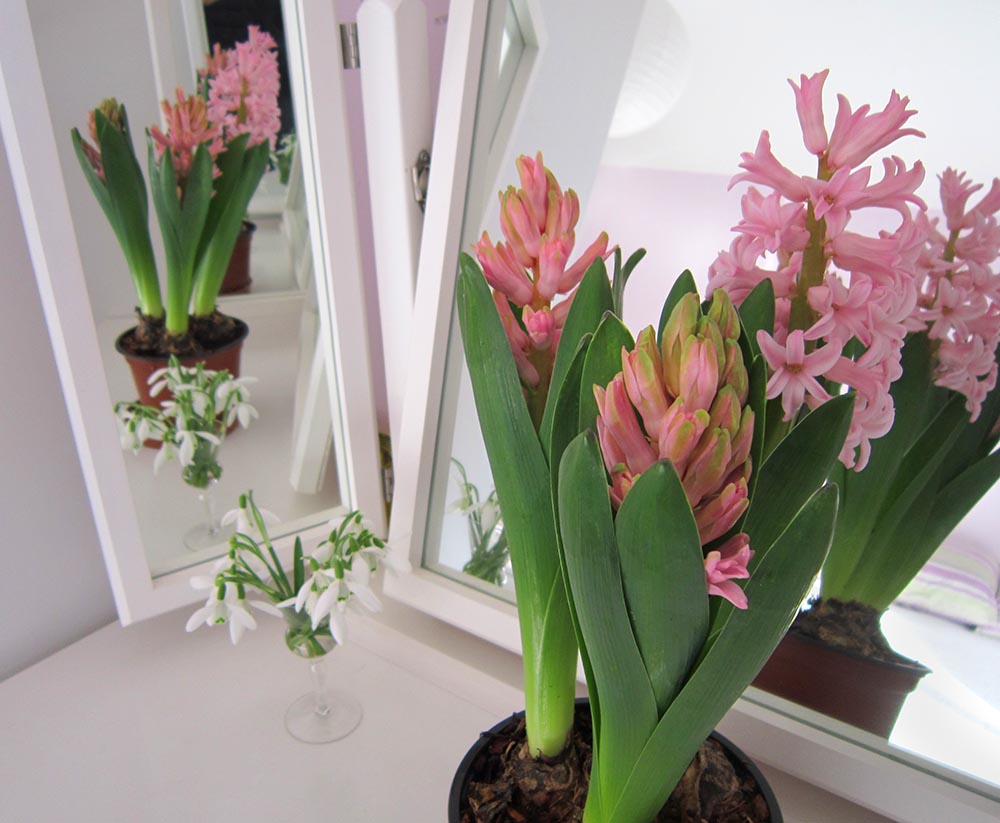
(818, 750)
(48, 224)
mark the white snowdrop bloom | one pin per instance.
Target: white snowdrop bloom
(168, 451)
(242, 523)
(230, 609)
(237, 385)
(243, 412)
(189, 442)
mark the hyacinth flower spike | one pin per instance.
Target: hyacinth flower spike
(682, 585)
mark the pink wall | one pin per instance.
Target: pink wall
(682, 219)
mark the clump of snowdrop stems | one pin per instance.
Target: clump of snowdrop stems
(192, 425)
(313, 595)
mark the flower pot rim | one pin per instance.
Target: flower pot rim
(911, 665)
(458, 782)
(242, 331)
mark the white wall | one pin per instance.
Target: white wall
(53, 587)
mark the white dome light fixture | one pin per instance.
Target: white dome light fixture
(657, 71)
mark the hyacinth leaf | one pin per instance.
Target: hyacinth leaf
(604, 361)
(794, 470)
(684, 284)
(862, 494)
(757, 314)
(590, 302)
(567, 411)
(621, 276)
(775, 590)
(663, 574)
(229, 163)
(625, 698)
(521, 477)
(210, 269)
(122, 197)
(888, 552)
(757, 400)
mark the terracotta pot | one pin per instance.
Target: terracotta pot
(225, 358)
(237, 279)
(473, 759)
(845, 685)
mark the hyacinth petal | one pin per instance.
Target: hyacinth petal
(622, 425)
(708, 465)
(643, 381)
(574, 274)
(725, 564)
(699, 373)
(552, 259)
(809, 107)
(502, 271)
(717, 516)
(680, 435)
(535, 184)
(725, 412)
(682, 324)
(763, 167)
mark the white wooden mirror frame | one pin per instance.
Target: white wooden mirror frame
(314, 43)
(831, 755)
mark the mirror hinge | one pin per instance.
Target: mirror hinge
(349, 45)
(419, 175)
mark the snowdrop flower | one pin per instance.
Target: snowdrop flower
(229, 609)
(189, 442)
(244, 525)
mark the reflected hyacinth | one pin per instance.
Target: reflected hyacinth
(831, 285)
(686, 401)
(960, 290)
(531, 269)
(243, 84)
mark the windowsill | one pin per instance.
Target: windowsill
(148, 723)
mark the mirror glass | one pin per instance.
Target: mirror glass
(288, 456)
(704, 79)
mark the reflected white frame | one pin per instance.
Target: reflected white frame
(858, 767)
(33, 156)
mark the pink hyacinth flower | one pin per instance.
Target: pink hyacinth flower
(243, 94)
(809, 107)
(188, 126)
(727, 563)
(795, 372)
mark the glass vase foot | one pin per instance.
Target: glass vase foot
(206, 535)
(323, 718)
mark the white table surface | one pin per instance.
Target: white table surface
(148, 723)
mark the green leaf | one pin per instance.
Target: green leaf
(592, 299)
(627, 704)
(684, 284)
(776, 589)
(863, 494)
(756, 314)
(231, 205)
(298, 566)
(621, 276)
(795, 469)
(521, 477)
(663, 573)
(757, 400)
(604, 361)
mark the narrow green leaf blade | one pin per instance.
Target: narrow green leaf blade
(592, 299)
(663, 573)
(684, 284)
(604, 361)
(628, 707)
(757, 314)
(777, 587)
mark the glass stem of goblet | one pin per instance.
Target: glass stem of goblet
(317, 672)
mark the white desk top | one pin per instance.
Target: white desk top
(151, 724)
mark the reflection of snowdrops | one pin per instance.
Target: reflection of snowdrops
(320, 585)
(192, 425)
(487, 535)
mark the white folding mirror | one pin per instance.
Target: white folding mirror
(313, 452)
(716, 78)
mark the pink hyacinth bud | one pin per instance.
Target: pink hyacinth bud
(642, 371)
(727, 563)
(699, 373)
(623, 427)
(682, 323)
(720, 514)
(502, 272)
(520, 229)
(535, 185)
(809, 106)
(540, 325)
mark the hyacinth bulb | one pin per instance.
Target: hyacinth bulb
(684, 400)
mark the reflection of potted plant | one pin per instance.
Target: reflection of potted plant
(667, 504)
(312, 595)
(487, 535)
(202, 172)
(909, 321)
(190, 428)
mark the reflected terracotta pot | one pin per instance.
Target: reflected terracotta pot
(237, 279)
(844, 685)
(473, 765)
(226, 357)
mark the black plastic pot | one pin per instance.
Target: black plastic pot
(472, 762)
